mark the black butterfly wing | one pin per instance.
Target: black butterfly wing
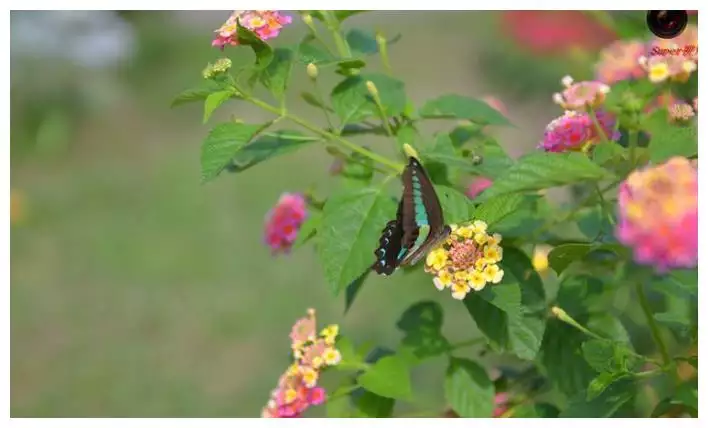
(427, 214)
(390, 245)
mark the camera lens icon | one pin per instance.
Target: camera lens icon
(667, 24)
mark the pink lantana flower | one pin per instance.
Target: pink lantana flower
(575, 131)
(580, 96)
(265, 23)
(284, 220)
(658, 214)
(620, 61)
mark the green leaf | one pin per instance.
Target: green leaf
(353, 289)
(454, 106)
(408, 134)
(351, 223)
(609, 356)
(370, 405)
(308, 229)
(268, 146)
(341, 15)
(222, 144)
(563, 255)
(604, 405)
(494, 159)
(361, 42)
(562, 360)
(199, 93)
(511, 314)
(388, 377)
(496, 209)
(668, 140)
(264, 53)
(352, 102)
(276, 75)
(456, 205)
(598, 385)
(309, 53)
(538, 171)
(468, 389)
(213, 101)
(339, 407)
(312, 100)
(536, 410)
(422, 323)
(685, 399)
(679, 283)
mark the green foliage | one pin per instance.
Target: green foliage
(573, 327)
(468, 389)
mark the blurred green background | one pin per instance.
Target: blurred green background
(138, 292)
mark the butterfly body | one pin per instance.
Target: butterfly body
(419, 225)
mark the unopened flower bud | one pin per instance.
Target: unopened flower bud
(222, 65)
(559, 313)
(681, 112)
(410, 151)
(208, 71)
(307, 19)
(372, 89)
(312, 71)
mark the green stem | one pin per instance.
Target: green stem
(394, 166)
(653, 326)
(383, 52)
(343, 392)
(466, 343)
(316, 34)
(318, 94)
(333, 27)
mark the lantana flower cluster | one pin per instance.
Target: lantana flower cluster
(658, 60)
(297, 388)
(284, 220)
(576, 130)
(265, 23)
(467, 260)
(658, 214)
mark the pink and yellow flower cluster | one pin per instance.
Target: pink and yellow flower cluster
(576, 130)
(467, 260)
(658, 214)
(265, 23)
(297, 388)
(284, 220)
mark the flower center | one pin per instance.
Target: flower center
(464, 254)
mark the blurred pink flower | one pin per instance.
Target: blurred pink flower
(686, 43)
(478, 185)
(265, 23)
(681, 112)
(658, 214)
(501, 401)
(620, 61)
(284, 221)
(545, 32)
(695, 104)
(581, 95)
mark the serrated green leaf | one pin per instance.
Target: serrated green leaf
(454, 106)
(563, 255)
(222, 144)
(538, 171)
(456, 205)
(267, 146)
(603, 406)
(213, 101)
(262, 50)
(308, 229)
(598, 385)
(351, 223)
(468, 389)
(562, 360)
(388, 377)
(496, 209)
(199, 93)
(276, 75)
(494, 159)
(352, 102)
(609, 356)
(669, 140)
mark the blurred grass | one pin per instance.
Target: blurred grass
(137, 291)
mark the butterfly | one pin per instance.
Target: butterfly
(418, 227)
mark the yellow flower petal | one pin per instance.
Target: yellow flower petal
(477, 281)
